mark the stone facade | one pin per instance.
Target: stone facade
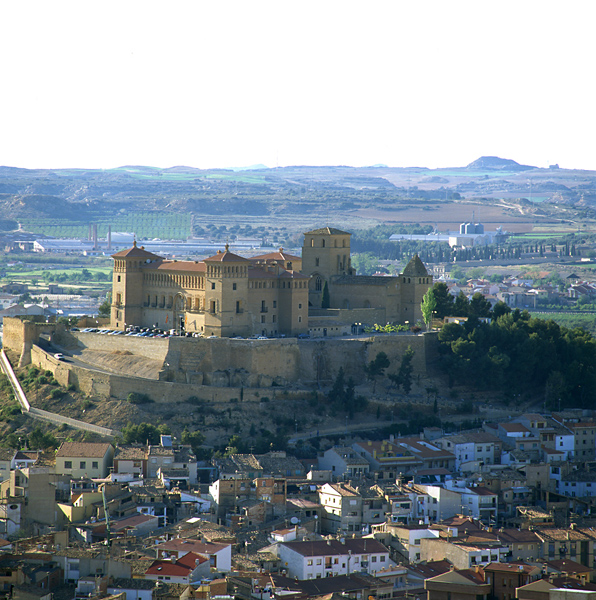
(326, 259)
(227, 295)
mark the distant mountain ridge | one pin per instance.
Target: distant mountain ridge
(494, 162)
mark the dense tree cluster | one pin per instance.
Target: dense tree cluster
(516, 354)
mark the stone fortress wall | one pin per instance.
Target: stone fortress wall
(216, 369)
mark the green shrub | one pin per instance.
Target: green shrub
(138, 398)
(194, 400)
(42, 380)
(57, 393)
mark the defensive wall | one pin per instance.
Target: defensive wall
(219, 369)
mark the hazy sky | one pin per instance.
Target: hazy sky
(219, 84)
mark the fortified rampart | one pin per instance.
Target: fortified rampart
(218, 369)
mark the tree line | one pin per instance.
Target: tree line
(517, 354)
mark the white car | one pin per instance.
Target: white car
(59, 356)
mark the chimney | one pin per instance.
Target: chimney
(94, 236)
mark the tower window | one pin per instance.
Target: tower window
(234, 286)
(213, 285)
(323, 244)
(316, 262)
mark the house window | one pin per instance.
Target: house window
(68, 464)
(275, 304)
(95, 465)
(262, 318)
(83, 465)
(309, 562)
(299, 305)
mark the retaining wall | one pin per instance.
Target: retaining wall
(44, 414)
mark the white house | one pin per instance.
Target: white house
(220, 555)
(318, 559)
(434, 503)
(187, 569)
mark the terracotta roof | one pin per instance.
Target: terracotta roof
(226, 256)
(519, 536)
(280, 255)
(431, 568)
(567, 566)
(344, 489)
(327, 231)
(510, 567)
(131, 521)
(482, 491)
(181, 568)
(82, 449)
(188, 266)
(136, 252)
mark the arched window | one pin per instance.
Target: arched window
(318, 284)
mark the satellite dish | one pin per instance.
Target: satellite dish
(294, 521)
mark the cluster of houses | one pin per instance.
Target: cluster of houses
(521, 293)
(500, 512)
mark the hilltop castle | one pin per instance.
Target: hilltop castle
(228, 295)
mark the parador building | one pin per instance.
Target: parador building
(227, 295)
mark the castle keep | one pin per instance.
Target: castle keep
(227, 295)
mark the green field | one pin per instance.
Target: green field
(163, 225)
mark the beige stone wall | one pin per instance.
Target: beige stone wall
(154, 348)
(195, 366)
(19, 336)
(46, 362)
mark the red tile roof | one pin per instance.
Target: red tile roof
(82, 449)
(136, 252)
(181, 568)
(226, 256)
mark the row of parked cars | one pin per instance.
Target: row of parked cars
(154, 332)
